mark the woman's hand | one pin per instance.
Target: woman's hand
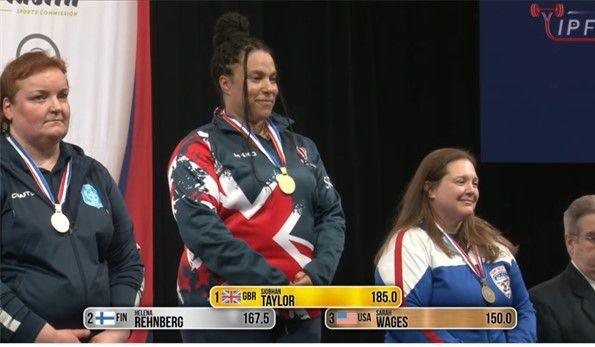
(111, 336)
(48, 334)
(301, 279)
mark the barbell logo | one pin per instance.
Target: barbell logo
(577, 28)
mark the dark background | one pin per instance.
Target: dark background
(377, 85)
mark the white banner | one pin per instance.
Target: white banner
(97, 39)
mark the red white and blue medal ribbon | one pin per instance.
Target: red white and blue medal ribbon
(486, 292)
(286, 182)
(58, 220)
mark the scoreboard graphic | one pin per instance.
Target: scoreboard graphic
(166, 318)
(422, 318)
(305, 297)
(348, 307)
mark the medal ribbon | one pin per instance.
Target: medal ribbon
(40, 179)
(480, 269)
(276, 138)
(477, 270)
(273, 132)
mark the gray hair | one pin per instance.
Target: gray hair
(579, 207)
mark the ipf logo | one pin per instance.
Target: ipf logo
(579, 26)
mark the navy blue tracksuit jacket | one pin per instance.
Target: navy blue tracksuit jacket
(48, 277)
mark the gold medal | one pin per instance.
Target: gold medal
(487, 293)
(286, 182)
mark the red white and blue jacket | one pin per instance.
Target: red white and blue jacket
(237, 226)
(430, 278)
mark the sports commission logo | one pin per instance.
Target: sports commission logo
(577, 26)
(46, 2)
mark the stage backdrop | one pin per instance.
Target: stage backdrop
(537, 81)
(105, 45)
(377, 86)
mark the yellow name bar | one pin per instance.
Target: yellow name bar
(305, 296)
(422, 318)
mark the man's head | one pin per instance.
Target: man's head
(579, 230)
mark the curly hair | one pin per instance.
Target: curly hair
(231, 45)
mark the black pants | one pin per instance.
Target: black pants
(285, 331)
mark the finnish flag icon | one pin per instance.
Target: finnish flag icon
(105, 318)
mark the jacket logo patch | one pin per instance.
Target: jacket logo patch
(501, 279)
(22, 195)
(327, 182)
(90, 196)
(302, 152)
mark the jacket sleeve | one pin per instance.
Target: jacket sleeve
(194, 193)
(525, 330)
(17, 322)
(329, 225)
(548, 329)
(406, 263)
(126, 270)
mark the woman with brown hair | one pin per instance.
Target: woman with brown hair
(442, 255)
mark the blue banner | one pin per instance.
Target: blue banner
(537, 79)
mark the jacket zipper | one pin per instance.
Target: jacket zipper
(78, 264)
(84, 168)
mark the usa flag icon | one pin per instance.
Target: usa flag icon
(346, 318)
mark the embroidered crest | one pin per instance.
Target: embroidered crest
(502, 280)
(302, 152)
(90, 196)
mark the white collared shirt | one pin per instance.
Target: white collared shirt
(591, 282)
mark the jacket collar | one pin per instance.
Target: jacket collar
(282, 123)
(14, 164)
(581, 288)
(10, 158)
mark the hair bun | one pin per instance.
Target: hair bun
(230, 25)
